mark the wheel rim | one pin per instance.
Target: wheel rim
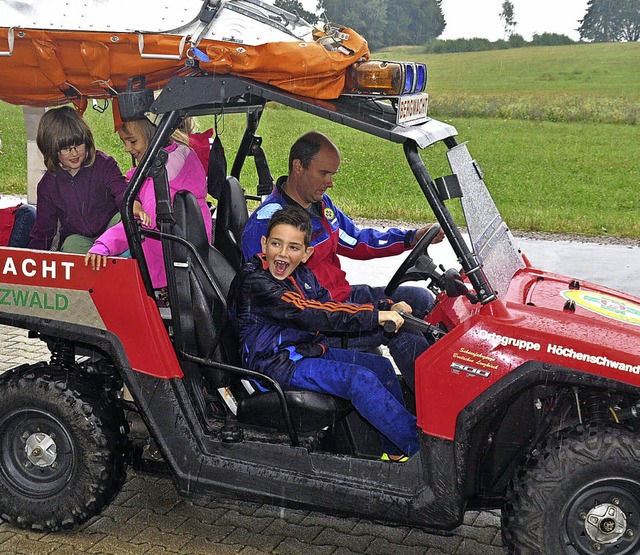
(37, 456)
(604, 517)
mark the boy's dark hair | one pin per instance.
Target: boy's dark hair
(61, 128)
(306, 147)
(292, 215)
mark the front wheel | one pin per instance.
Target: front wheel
(579, 494)
(62, 448)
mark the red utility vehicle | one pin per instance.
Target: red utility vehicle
(527, 401)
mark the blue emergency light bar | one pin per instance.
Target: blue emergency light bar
(386, 78)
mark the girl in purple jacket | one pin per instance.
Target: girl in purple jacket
(81, 192)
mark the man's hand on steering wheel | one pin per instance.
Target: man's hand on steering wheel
(419, 249)
(420, 232)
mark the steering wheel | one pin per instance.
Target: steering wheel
(410, 261)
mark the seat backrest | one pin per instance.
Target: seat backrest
(231, 217)
(188, 217)
(202, 290)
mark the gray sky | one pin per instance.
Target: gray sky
(480, 18)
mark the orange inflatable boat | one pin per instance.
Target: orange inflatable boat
(63, 51)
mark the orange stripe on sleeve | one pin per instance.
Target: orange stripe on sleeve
(331, 306)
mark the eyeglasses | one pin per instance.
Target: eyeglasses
(67, 150)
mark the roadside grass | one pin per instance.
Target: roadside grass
(557, 177)
(562, 173)
(603, 69)
(13, 161)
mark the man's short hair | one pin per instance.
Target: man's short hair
(306, 147)
(294, 215)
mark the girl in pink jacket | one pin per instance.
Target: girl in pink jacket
(184, 171)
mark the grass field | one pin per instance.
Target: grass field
(584, 82)
(551, 164)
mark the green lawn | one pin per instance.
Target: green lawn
(559, 177)
(583, 82)
(533, 118)
(604, 69)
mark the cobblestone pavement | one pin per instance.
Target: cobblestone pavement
(149, 517)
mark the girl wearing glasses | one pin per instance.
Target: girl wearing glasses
(81, 192)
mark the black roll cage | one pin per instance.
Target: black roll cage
(216, 95)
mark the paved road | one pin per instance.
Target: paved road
(614, 265)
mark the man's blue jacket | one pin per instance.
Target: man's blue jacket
(334, 233)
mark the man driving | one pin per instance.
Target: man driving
(314, 160)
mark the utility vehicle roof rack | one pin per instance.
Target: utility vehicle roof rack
(374, 115)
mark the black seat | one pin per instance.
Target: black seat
(204, 330)
(202, 289)
(231, 217)
(309, 411)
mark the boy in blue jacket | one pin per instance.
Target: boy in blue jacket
(279, 306)
(314, 160)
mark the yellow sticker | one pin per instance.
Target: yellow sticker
(606, 305)
(328, 213)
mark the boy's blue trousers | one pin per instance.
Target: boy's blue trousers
(370, 383)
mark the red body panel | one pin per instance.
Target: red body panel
(59, 286)
(599, 334)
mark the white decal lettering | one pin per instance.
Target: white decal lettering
(568, 352)
(25, 265)
(504, 340)
(67, 269)
(9, 267)
(51, 268)
(29, 268)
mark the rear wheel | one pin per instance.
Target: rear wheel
(579, 494)
(62, 448)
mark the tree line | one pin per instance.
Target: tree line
(611, 21)
(381, 22)
(415, 22)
